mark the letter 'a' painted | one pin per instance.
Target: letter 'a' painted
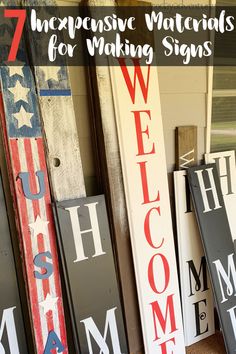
(216, 236)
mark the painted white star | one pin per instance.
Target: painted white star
(51, 72)
(39, 226)
(16, 70)
(20, 92)
(23, 118)
(49, 303)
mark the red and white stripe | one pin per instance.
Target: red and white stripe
(27, 155)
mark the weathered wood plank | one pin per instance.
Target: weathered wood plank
(186, 147)
(59, 122)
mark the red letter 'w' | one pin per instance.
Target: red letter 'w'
(137, 75)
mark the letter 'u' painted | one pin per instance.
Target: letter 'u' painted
(24, 176)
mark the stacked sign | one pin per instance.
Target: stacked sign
(27, 167)
(215, 231)
(197, 300)
(225, 164)
(88, 264)
(138, 115)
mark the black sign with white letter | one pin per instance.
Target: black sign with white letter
(216, 236)
(12, 332)
(88, 263)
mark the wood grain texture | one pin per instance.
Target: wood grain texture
(59, 123)
(186, 147)
(62, 147)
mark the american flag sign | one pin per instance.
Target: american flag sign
(30, 188)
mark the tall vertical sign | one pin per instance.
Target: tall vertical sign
(58, 116)
(141, 141)
(225, 164)
(217, 240)
(30, 186)
(12, 330)
(88, 262)
(186, 147)
(196, 294)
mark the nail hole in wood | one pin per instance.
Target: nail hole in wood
(56, 162)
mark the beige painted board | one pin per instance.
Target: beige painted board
(183, 109)
(177, 79)
(77, 76)
(82, 115)
(62, 147)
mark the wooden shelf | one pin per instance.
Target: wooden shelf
(211, 345)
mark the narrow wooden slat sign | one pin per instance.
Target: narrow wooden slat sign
(58, 116)
(88, 261)
(141, 141)
(186, 147)
(196, 294)
(30, 186)
(226, 167)
(217, 240)
(12, 333)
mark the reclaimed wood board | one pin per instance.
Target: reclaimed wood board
(59, 122)
(88, 261)
(196, 293)
(218, 244)
(186, 147)
(226, 167)
(141, 143)
(30, 188)
(12, 333)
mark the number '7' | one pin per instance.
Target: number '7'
(21, 15)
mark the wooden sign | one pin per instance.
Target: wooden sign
(141, 141)
(58, 116)
(186, 147)
(225, 164)
(217, 240)
(91, 281)
(12, 329)
(196, 294)
(30, 187)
